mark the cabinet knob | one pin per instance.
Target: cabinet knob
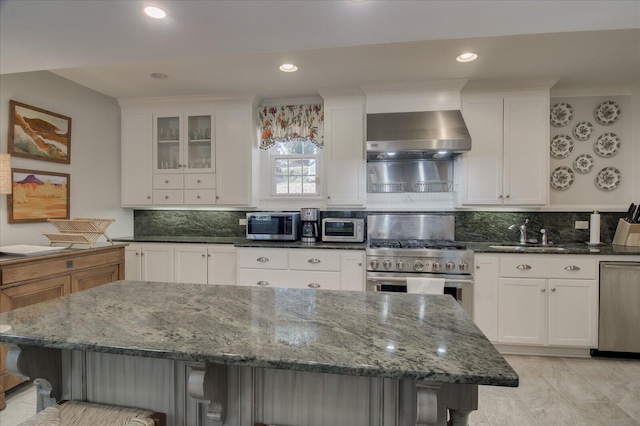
(313, 285)
(217, 198)
(359, 263)
(166, 197)
(543, 290)
(208, 255)
(572, 268)
(142, 254)
(262, 259)
(198, 197)
(137, 254)
(166, 181)
(553, 289)
(329, 197)
(523, 267)
(314, 261)
(477, 266)
(500, 196)
(204, 255)
(199, 181)
(148, 197)
(262, 283)
(508, 196)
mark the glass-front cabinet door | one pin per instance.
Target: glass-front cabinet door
(167, 144)
(199, 149)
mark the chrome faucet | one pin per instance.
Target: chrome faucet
(523, 231)
(544, 237)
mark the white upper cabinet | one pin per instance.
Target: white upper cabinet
(187, 153)
(344, 151)
(508, 162)
(137, 130)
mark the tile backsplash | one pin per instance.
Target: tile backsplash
(476, 226)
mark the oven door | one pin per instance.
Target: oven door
(458, 286)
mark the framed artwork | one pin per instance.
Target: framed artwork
(38, 196)
(39, 134)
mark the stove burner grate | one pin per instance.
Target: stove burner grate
(417, 244)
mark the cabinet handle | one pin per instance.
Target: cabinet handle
(572, 268)
(262, 259)
(262, 283)
(313, 285)
(523, 267)
(543, 290)
(553, 289)
(314, 261)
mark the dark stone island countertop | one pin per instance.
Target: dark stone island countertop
(399, 336)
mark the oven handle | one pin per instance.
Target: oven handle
(376, 279)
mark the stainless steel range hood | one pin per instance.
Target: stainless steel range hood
(430, 135)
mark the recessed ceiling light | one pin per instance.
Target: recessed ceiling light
(288, 68)
(467, 57)
(159, 76)
(155, 12)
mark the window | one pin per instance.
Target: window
(295, 166)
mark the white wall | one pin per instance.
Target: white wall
(95, 152)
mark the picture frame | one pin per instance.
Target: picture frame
(39, 134)
(37, 196)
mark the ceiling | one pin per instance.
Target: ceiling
(235, 46)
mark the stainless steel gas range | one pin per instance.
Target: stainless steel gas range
(418, 245)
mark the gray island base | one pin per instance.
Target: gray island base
(212, 355)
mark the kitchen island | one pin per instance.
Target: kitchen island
(243, 355)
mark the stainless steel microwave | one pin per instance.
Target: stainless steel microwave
(278, 226)
(343, 229)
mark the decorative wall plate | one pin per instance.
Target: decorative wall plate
(608, 178)
(583, 130)
(561, 146)
(561, 114)
(583, 163)
(562, 178)
(607, 113)
(607, 145)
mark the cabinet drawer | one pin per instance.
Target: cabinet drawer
(548, 267)
(168, 196)
(200, 180)
(167, 181)
(263, 278)
(200, 196)
(262, 258)
(317, 280)
(314, 260)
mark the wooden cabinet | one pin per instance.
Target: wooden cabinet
(27, 281)
(149, 262)
(344, 151)
(190, 152)
(548, 300)
(508, 162)
(301, 268)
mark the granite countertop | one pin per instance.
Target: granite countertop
(572, 248)
(399, 336)
(243, 242)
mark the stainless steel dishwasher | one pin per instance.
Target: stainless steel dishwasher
(619, 329)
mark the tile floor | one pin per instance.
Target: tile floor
(552, 391)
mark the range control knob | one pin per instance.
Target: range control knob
(375, 264)
(418, 266)
(450, 266)
(399, 265)
(435, 266)
(463, 266)
(386, 264)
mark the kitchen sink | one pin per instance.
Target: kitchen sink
(528, 248)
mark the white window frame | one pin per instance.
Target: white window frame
(271, 170)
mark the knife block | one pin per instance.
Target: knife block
(627, 234)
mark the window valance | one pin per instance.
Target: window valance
(291, 123)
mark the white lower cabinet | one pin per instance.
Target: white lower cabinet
(205, 264)
(301, 268)
(549, 300)
(540, 300)
(149, 262)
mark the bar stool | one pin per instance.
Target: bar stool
(80, 413)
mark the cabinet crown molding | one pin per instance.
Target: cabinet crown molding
(193, 99)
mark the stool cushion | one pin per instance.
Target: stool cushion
(79, 413)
